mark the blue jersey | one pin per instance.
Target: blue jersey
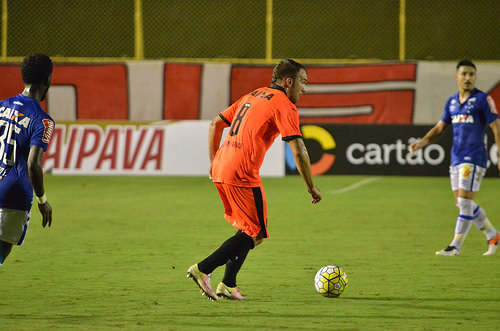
(23, 124)
(469, 121)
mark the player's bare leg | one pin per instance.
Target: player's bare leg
(258, 240)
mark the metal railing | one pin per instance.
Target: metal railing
(250, 31)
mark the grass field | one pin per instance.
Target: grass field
(117, 253)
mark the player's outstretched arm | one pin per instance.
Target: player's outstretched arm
(303, 163)
(35, 171)
(495, 127)
(432, 135)
(214, 137)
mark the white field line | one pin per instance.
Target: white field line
(355, 185)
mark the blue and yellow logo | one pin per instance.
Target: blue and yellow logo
(327, 143)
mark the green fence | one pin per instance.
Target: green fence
(251, 30)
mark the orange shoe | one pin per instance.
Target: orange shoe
(492, 245)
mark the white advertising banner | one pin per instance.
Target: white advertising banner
(177, 148)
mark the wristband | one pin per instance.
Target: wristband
(42, 199)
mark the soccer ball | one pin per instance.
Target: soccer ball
(330, 281)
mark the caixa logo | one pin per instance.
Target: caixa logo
(327, 143)
(383, 154)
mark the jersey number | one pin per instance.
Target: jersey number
(7, 144)
(235, 127)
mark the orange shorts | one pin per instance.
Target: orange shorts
(245, 208)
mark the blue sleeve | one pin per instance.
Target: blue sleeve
(446, 113)
(42, 130)
(489, 110)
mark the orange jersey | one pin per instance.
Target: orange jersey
(255, 121)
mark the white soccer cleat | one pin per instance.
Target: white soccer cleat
(203, 281)
(448, 251)
(492, 246)
(232, 293)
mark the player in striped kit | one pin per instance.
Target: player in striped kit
(469, 111)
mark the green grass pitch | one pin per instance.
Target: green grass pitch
(117, 253)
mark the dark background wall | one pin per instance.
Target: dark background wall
(204, 29)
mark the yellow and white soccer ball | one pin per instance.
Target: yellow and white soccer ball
(330, 281)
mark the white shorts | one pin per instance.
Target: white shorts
(14, 225)
(466, 176)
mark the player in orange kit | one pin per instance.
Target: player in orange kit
(255, 120)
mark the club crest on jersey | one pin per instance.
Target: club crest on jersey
(466, 171)
(453, 105)
(47, 132)
(462, 118)
(470, 104)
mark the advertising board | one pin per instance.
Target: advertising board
(378, 150)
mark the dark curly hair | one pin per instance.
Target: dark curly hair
(286, 68)
(36, 68)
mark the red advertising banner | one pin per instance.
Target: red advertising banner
(375, 94)
(408, 93)
(101, 90)
(182, 90)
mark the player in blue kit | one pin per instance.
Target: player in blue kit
(469, 111)
(25, 132)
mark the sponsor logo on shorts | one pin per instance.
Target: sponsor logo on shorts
(47, 132)
(466, 171)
